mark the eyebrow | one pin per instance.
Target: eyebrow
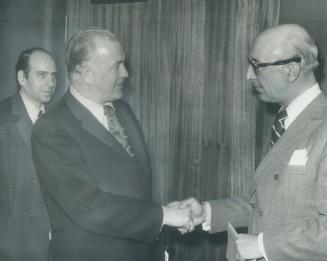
(40, 71)
(118, 63)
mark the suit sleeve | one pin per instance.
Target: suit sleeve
(66, 179)
(235, 210)
(304, 239)
(5, 193)
(6, 176)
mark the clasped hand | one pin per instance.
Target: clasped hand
(185, 214)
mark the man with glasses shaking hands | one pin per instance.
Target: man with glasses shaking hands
(286, 210)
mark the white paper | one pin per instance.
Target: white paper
(232, 236)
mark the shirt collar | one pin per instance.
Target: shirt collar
(31, 108)
(300, 103)
(94, 108)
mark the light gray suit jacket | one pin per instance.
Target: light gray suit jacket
(288, 202)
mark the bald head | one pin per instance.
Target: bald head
(282, 63)
(287, 41)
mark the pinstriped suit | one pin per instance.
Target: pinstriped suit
(288, 203)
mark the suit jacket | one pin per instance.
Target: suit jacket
(98, 197)
(24, 223)
(288, 199)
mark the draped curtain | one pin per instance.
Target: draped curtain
(204, 128)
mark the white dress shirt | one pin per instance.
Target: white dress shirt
(300, 103)
(293, 111)
(32, 110)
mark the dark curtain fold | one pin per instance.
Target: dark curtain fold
(204, 127)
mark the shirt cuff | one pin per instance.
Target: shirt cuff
(261, 246)
(206, 225)
(163, 217)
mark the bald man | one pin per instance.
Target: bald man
(24, 221)
(286, 211)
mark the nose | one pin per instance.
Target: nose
(51, 80)
(123, 71)
(250, 75)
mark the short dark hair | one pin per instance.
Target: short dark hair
(23, 62)
(82, 44)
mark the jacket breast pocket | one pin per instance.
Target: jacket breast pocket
(296, 170)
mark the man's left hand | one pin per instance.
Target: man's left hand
(247, 247)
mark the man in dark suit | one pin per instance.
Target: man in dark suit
(24, 223)
(93, 165)
(286, 210)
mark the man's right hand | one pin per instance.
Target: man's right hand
(198, 211)
(178, 217)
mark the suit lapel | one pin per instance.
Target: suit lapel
(298, 132)
(92, 125)
(22, 120)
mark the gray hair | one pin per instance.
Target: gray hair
(81, 45)
(304, 46)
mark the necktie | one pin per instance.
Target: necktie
(40, 114)
(117, 130)
(278, 127)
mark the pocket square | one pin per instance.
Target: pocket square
(299, 158)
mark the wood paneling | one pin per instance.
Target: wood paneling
(187, 64)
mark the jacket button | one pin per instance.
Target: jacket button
(276, 177)
(260, 213)
(33, 181)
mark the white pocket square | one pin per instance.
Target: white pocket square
(299, 158)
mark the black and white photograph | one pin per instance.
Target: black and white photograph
(163, 130)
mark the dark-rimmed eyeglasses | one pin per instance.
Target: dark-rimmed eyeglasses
(255, 65)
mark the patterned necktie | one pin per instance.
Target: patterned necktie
(117, 130)
(278, 127)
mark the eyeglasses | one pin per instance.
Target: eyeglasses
(256, 65)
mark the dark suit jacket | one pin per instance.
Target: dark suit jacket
(289, 193)
(24, 223)
(98, 197)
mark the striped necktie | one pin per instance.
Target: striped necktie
(278, 127)
(117, 130)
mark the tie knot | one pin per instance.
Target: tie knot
(109, 110)
(282, 113)
(278, 127)
(40, 114)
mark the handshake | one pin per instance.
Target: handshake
(185, 214)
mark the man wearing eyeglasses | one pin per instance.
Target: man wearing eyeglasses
(286, 211)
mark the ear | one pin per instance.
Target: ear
(21, 77)
(87, 75)
(294, 70)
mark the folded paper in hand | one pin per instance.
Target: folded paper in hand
(232, 236)
(231, 247)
